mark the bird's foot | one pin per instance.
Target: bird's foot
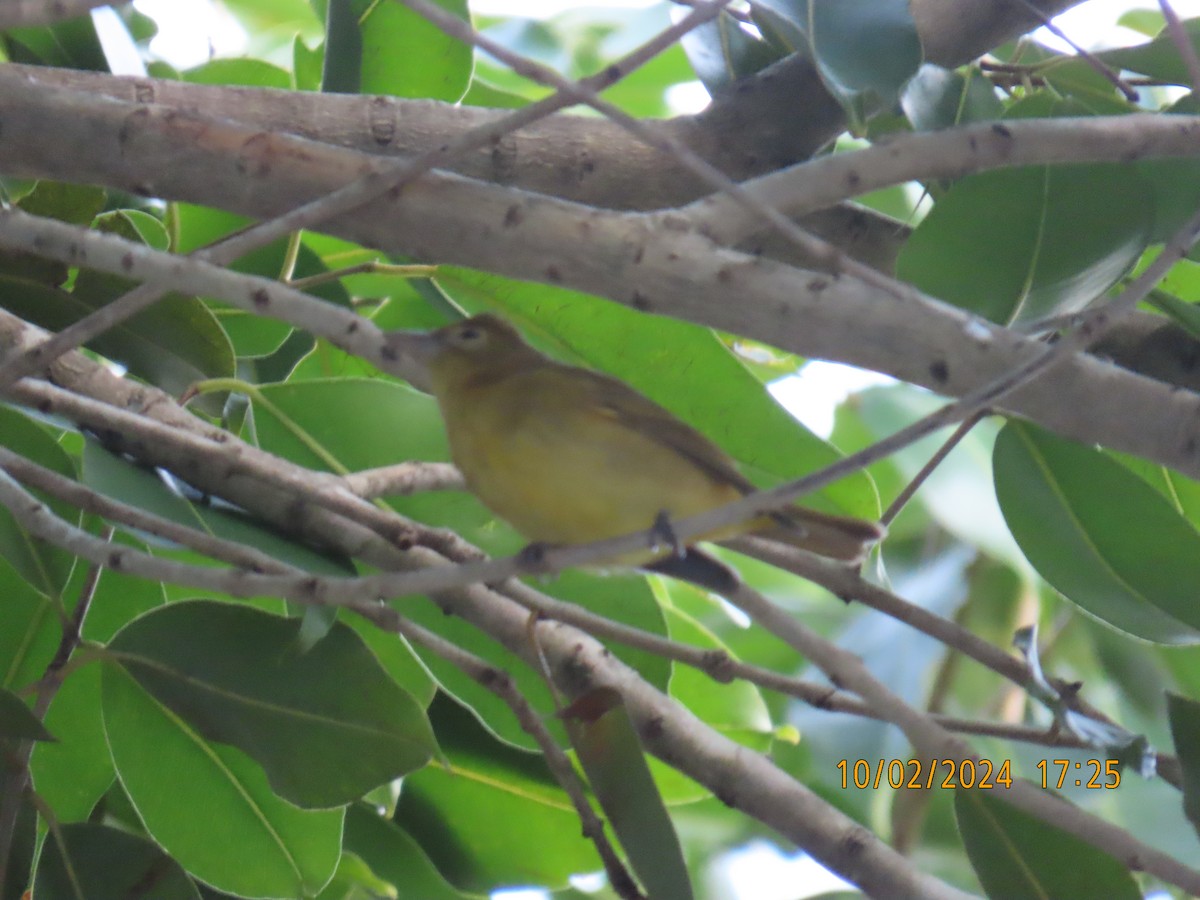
(662, 532)
(532, 557)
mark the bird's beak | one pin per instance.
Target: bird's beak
(413, 352)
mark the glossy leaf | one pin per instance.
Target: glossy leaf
(938, 98)
(264, 846)
(1071, 509)
(405, 55)
(721, 51)
(1018, 855)
(863, 49)
(1038, 261)
(326, 725)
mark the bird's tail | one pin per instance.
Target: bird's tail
(836, 537)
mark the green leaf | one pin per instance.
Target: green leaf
(326, 725)
(393, 855)
(342, 69)
(939, 98)
(72, 775)
(721, 51)
(180, 785)
(530, 834)
(1184, 715)
(1158, 59)
(96, 862)
(45, 567)
(245, 72)
(17, 721)
(405, 55)
(1099, 534)
(606, 741)
(869, 48)
(1016, 854)
(1037, 259)
(75, 204)
(251, 335)
(70, 44)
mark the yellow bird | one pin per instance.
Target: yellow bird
(569, 456)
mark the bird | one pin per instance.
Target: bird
(568, 455)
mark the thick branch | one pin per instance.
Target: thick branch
(657, 265)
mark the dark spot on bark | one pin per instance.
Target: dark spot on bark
(638, 255)
(724, 275)
(553, 275)
(352, 328)
(127, 262)
(939, 371)
(388, 352)
(513, 216)
(653, 729)
(640, 301)
(261, 298)
(853, 180)
(1001, 130)
(854, 844)
(817, 285)
(1189, 446)
(116, 560)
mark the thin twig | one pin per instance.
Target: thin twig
(943, 451)
(1183, 43)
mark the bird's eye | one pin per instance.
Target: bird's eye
(469, 334)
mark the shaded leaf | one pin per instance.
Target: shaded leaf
(17, 721)
(1070, 508)
(326, 725)
(1016, 854)
(1038, 259)
(1184, 716)
(440, 807)
(606, 741)
(95, 862)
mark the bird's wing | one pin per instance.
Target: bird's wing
(626, 406)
